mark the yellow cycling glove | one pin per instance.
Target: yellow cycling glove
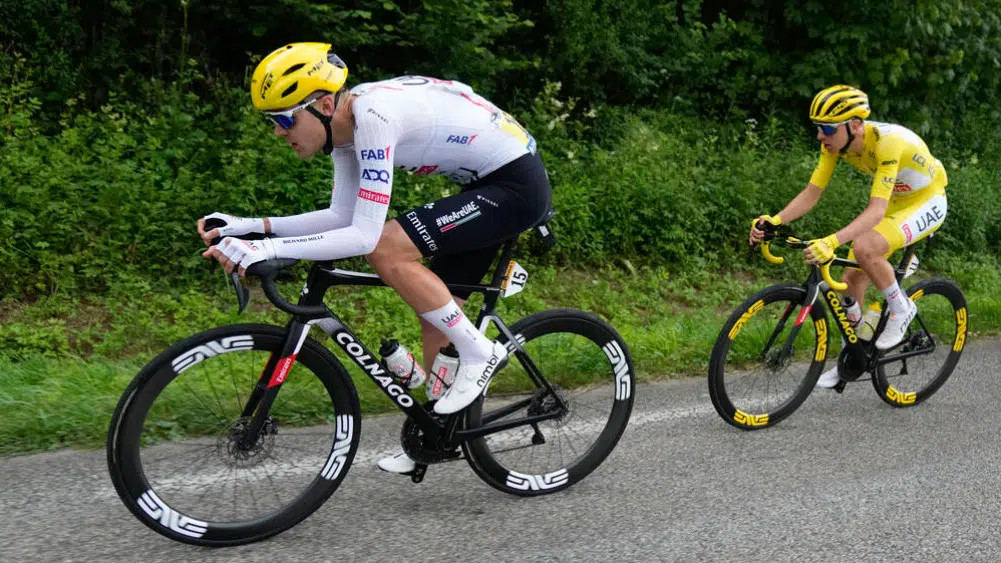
(822, 249)
(774, 221)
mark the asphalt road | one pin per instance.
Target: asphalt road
(846, 478)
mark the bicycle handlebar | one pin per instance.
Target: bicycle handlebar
(773, 234)
(269, 271)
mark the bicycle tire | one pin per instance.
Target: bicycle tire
(942, 316)
(569, 347)
(740, 398)
(174, 407)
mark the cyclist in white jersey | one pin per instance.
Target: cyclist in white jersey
(422, 125)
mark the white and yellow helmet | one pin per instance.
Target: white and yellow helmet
(289, 74)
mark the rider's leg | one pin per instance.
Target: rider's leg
(451, 230)
(464, 268)
(492, 209)
(871, 251)
(397, 261)
(433, 340)
(858, 282)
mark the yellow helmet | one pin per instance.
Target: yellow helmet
(839, 103)
(289, 74)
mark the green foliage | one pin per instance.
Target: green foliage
(665, 126)
(92, 49)
(680, 191)
(18, 105)
(113, 197)
(928, 63)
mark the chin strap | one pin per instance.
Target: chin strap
(851, 137)
(328, 147)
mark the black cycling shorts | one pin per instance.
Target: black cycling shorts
(462, 233)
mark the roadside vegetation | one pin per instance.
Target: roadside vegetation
(121, 124)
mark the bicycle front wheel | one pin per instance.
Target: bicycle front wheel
(914, 371)
(767, 357)
(179, 456)
(587, 365)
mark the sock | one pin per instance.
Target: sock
(896, 299)
(469, 342)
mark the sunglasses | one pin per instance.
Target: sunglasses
(285, 119)
(829, 128)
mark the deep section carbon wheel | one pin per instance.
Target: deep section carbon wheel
(913, 371)
(179, 450)
(591, 384)
(767, 357)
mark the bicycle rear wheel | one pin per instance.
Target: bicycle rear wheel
(934, 341)
(174, 450)
(758, 372)
(589, 367)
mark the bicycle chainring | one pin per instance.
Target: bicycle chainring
(422, 447)
(847, 369)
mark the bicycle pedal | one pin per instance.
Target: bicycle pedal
(417, 475)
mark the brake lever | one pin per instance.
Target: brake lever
(242, 293)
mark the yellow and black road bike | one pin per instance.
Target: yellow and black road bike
(772, 349)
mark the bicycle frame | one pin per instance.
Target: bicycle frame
(859, 356)
(310, 310)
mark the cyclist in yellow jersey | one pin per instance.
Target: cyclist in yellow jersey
(906, 202)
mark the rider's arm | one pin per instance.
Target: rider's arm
(376, 135)
(883, 181)
(342, 202)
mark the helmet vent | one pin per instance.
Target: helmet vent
(292, 69)
(290, 89)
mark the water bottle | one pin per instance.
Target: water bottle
(401, 362)
(853, 311)
(446, 364)
(870, 320)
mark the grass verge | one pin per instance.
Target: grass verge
(65, 363)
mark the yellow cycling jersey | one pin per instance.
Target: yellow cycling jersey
(896, 158)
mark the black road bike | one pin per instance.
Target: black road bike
(240, 432)
(772, 349)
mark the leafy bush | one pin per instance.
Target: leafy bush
(115, 194)
(123, 123)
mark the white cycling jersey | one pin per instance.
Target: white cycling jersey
(419, 124)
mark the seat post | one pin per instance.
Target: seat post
(490, 297)
(507, 251)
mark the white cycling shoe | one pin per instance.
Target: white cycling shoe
(471, 381)
(896, 328)
(397, 463)
(829, 378)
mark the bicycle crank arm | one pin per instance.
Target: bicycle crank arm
(417, 475)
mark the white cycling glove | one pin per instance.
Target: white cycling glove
(236, 226)
(243, 253)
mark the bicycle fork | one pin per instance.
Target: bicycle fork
(272, 376)
(812, 290)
